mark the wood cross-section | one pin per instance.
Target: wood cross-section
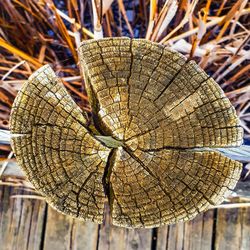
(155, 116)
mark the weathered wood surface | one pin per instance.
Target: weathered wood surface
(11, 169)
(31, 224)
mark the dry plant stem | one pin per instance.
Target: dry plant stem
(83, 97)
(237, 75)
(158, 22)
(152, 13)
(206, 10)
(5, 164)
(183, 21)
(98, 32)
(221, 7)
(244, 109)
(238, 91)
(72, 21)
(12, 69)
(26, 196)
(108, 25)
(233, 205)
(245, 127)
(42, 53)
(244, 42)
(226, 21)
(171, 12)
(106, 5)
(201, 31)
(123, 11)
(26, 8)
(64, 32)
(16, 182)
(237, 16)
(34, 62)
(245, 55)
(235, 64)
(166, 15)
(210, 24)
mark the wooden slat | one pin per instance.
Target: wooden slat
(198, 232)
(139, 239)
(21, 220)
(175, 236)
(162, 237)
(31, 224)
(64, 232)
(86, 235)
(229, 229)
(37, 224)
(207, 229)
(18, 234)
(233, 228)
(5, 216)
(110, 237)
(58, 231)
(245, 244)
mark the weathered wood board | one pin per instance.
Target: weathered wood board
(31, 224)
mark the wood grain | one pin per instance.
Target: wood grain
(148, 150)
(31, 224)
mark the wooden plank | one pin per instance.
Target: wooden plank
(23, 221)
(85, 235)
(207, 229)
(175, 236)
(58, 231)
(1, 210)
(117, 238)
(22, 227)
(37, 224)
(5, 217)
(199, 231)
(228, 229)
(110, 237)
(64, 232)
(193, 233)
(139, 239)
(162, 237)
(104, 232)
(245, 244)
(19, 232)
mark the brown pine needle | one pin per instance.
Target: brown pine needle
(20, 53)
